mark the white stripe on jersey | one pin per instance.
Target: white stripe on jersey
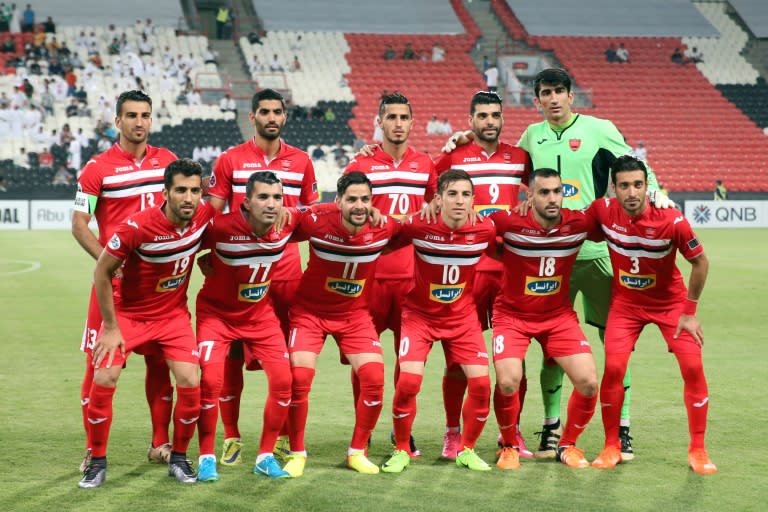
(136, 175)
(395, 175)
(288, 189)
(632, 239)
(132, 191)
(345, 258)
(416, 189)
(256, 259)
(256, 246)
(170, 257)
(555, 252)
(173, 244)
(361, 248)
(450, 247)
(470, 167)
(639, 253)
(535, 240)
(447, 260)
(244, 174)
(499, 180)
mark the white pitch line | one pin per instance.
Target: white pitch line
(31, 267)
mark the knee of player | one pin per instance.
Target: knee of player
(586, 385)
(479, 386)
(409, 383)
(508, 384)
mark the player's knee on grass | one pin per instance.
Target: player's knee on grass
(107, 377)
(508, 382)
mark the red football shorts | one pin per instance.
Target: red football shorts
(282, 294)
(354, 335)
(172, 334)
(463, 341)
(262, 340)
(385, 302)
(560, 335)
(625, 324)
(485, 289)
(93, 320)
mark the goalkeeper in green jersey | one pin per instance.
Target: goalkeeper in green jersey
(581, 148)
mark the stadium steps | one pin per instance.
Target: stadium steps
(493, 33)
(231, 65)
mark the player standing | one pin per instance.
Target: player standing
(648, 289)
(497, 169)
(265, 152)
(154, 251)
(123, 180)
(233, 305)
(440, 307)
(333, 299)
(403, 181)
(540, 251)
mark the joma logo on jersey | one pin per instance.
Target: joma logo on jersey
(542, 285)
(250, 292)
(637, 282)
(168, 284)
(345, 287)
(487, 209)
(571, 189)
(446, 293)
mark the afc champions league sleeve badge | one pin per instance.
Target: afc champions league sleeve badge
(114, 242)
(212, 180)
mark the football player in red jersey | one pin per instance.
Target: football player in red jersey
(265, 152)
(154, 251)
(403, 180)
(441, 307)
(233, 304)
(540, 250)
(333, 299)
(497, 170)
(648, 289)
(123, 180)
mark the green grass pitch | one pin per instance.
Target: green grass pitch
(44, 283)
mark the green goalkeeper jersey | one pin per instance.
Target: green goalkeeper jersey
(582, 152)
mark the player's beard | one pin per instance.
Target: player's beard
(480, 134)
(262, 131)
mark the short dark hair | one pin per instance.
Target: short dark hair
(352, 178)
(451, 176)
(131, 96)
(627, 163)
(543, 172)
(266, 94)
(185, 166)
(394, 98)
(266, 177)
(551, 76)
(484, 98)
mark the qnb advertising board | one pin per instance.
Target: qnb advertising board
(15, 215)
(727, 214)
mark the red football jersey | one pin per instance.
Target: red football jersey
(643, 251)
(446, 260)
(337, 280)
(538, 262)
(122, 185)
(243, 263)
(399, 188)
(496, 178)
(157, 259)
(294, 169)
